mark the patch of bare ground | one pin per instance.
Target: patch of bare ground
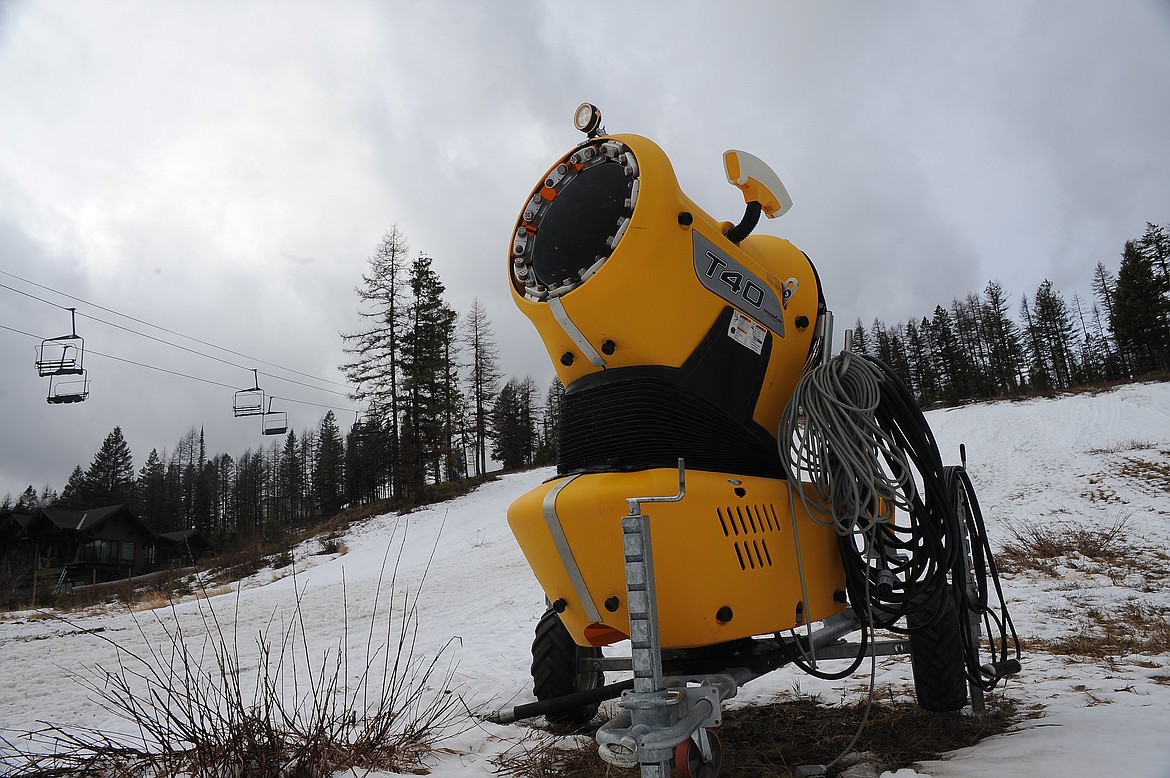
(774, 739)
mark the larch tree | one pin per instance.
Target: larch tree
(483, 378)
(374, 370)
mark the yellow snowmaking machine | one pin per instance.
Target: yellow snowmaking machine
(681, 341)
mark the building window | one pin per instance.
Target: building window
(101, 551)
(150, 553)
(127, 553)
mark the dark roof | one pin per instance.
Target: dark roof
(19, 519)
(185, 535)
(80, 519)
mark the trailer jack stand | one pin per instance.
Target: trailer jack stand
(660, 716)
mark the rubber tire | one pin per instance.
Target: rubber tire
(554, 672)
(688, 761)
(938, 659)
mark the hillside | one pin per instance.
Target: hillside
(1090, 473)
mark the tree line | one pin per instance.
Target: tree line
(430, 384)
(434, 411)
(975, 349)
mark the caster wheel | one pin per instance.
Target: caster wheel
(688, 757)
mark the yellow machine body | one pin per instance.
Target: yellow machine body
(725, 557)
(673, 341)
(648, 300)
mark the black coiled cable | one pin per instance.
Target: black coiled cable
(904, 563)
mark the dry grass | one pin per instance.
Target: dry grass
(195, 705)
(1133, 627)
(1154, 474)
(1052, 549)
(774, 739)
(1124, 445)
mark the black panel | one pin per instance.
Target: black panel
(572, 233)
(642, 417)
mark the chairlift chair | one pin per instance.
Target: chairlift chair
(64, 355)
(249, 402)
(71, 390)
(273, 422)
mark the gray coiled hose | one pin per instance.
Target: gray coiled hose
(828, 436)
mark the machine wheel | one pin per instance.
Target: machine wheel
(555, 672)
(937, 656)
(688, 758)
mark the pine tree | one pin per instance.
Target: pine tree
(948, 356)
(973, 344)
(329, 467)
(289, 481)
(1056, 335)
(110, 477)
(375, 371)
(1154, 245)
(48, 496)
(27, 502)
(512, 432)
(923, 375)
(366, 461)
(860, 339)
(1104, 287)
(1004, 353)
(306, 457)
(249, 493)
(174, 517)
(1141, 313)
(225, 499)
(151, 487)
(546, 451)
(1038, 376)
(426, 386)
(453, 408)
(73, 493)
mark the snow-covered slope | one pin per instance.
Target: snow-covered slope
(1071, 461)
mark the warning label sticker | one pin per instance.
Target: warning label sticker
(747, 331)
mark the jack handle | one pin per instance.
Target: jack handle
(635, 502)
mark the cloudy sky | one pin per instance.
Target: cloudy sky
(223, 170)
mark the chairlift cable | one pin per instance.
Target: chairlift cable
(209, 356)
(164, 329)
(180, 375)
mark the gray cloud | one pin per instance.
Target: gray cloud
(183, 163)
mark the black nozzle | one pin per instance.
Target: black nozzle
(751, 217)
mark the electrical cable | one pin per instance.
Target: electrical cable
(855, 431)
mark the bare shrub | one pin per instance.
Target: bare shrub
(1042, 547)
(193, 712)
